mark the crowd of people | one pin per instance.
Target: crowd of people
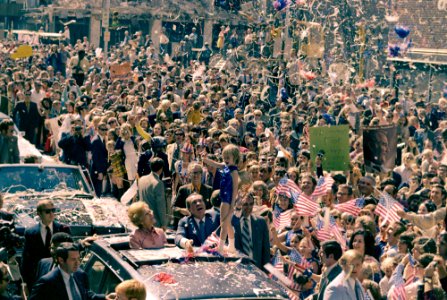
(211, 150)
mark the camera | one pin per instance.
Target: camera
(9, 240)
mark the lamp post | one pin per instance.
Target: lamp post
(105, 25)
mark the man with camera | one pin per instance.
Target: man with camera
(75, 144)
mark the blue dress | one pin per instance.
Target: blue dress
(226, 184)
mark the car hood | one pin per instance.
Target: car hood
(84, 215)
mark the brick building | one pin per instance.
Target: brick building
(427, 20)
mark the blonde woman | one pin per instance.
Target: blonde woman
(147, 236)
(127, 144)
(347, 286)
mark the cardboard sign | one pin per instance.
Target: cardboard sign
(333, 143)
(22, 51)
(379, 148)
(120, 71)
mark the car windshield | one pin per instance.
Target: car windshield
(41, 178)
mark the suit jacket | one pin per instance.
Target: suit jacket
(326, 280)
(183, 193)
(9, 150)
(339, 289)
(188, 228)
(44, 267)
(52, 287)
(99, 156)
(34, 250)
(259, 237)
(75, 148)
(26, 119)
(187, 189)
(153, 193)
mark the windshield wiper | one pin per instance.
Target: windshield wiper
(84, 196)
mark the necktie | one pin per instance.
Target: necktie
(48, 237)
(27, 106)
(358, 291)
(202, 231)
(74, 292)
(246, 240)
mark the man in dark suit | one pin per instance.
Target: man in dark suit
(153, 192)
(196, 228)
(9, 148)
(38, 238)
(66, 279)
(47, 264)
(75, 145)
(99, 163)
(251, 234)
(179, 206)
(27, 116)
(330, 253)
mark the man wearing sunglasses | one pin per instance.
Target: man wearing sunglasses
(38, 240)
(9, 148)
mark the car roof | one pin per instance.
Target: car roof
(205, 276)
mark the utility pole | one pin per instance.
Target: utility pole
(105, 25)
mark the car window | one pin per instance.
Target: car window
(110, 282)
(102, 280)
(95, 275)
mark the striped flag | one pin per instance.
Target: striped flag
(412, 276)
(305, 206)
(352, 207)
(330, 231)
(281, 219)
(322, 233)
(212, 239)
(323, 184)
(287, 185)
(387, 208)
(301, 264)
(398, 292)
(277, 261)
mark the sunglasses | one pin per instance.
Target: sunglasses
(103, 129)
(50, 210)
(111, 122)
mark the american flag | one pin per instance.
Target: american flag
(399, 285)
(301, 263)
(323, 184)
(412, 277)
(281, 219)
(305, 206)
(287, 185)
(352, 207)
(212, 239)
(387, 208)
(330, 231)
(277, 261)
